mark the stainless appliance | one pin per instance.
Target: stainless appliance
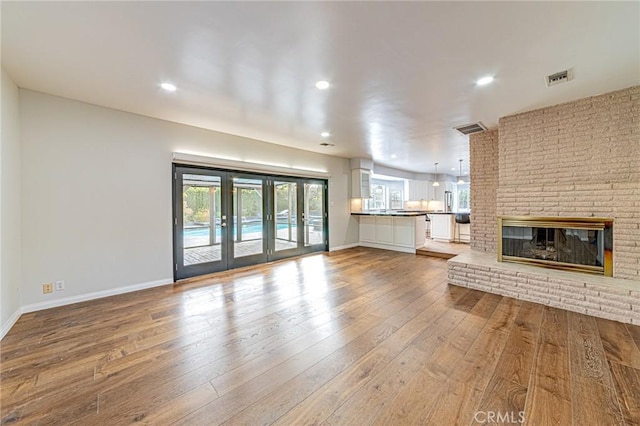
(448, 201)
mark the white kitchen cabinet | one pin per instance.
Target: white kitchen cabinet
(442, 227)
(438, 193)
(419, 190)
(404, 233)
(384, 229)
(411, 190)
(398, 233)
(368, 229)
(360, 183)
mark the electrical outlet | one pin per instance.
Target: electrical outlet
(59, 285)
(47, 288)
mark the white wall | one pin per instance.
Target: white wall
(97, 193)
(10, 247)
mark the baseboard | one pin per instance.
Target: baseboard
(344, 247)
(95, 295)
(6, 327)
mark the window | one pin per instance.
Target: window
(396, 199)
(378, 197)
(463, 198)
(385, 194)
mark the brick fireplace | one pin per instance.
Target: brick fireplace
(575, 160)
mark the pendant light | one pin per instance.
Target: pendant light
(460, 180)
(435, 183)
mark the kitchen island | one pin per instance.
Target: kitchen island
(445, 229)
(392, 230)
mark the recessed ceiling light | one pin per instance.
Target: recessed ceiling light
(322, 85)
(168, 87)
(325, 134)
(484, 80)
(393, 156)
(453, 168)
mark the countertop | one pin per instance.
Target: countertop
(390, 213)
(449, 212)
(400, 213)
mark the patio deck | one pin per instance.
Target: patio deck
(204, 254)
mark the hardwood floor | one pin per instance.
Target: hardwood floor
(360, 336)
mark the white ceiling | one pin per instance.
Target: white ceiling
(402, 74)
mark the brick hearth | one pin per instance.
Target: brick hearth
(610, 298)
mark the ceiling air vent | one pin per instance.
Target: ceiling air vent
(327, 144)
(468, 129)
(559, 77)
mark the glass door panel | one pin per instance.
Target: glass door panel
(314, 214)
(285, 236)
(199, 222)
(249, 234)
(286, 215)
(201, 218)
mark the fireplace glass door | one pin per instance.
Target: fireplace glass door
(579, 246)
(557, 242)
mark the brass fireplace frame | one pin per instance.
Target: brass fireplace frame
(589, 223)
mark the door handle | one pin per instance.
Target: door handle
(223, 224)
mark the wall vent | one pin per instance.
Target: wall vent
(559, 77)
(468, 129)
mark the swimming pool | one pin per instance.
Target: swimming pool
(246, 229)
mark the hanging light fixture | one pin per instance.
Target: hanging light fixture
(460, 180)
(435, 183)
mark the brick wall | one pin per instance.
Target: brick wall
(484, 184)
(581, 158)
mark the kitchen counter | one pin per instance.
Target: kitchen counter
(389, 213)
(448, 212)
(392, 230)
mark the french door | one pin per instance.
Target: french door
(314, 215)
(226, 219)
(201, 200)
(286, 218)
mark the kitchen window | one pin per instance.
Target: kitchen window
(378, 197)
(463, 198)
(385, 194)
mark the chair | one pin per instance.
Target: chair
(461, 218)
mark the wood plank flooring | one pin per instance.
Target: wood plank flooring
(356, 337)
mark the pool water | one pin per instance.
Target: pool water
(246, 229)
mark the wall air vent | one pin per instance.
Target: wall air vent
(468, 129)
(559, 77)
